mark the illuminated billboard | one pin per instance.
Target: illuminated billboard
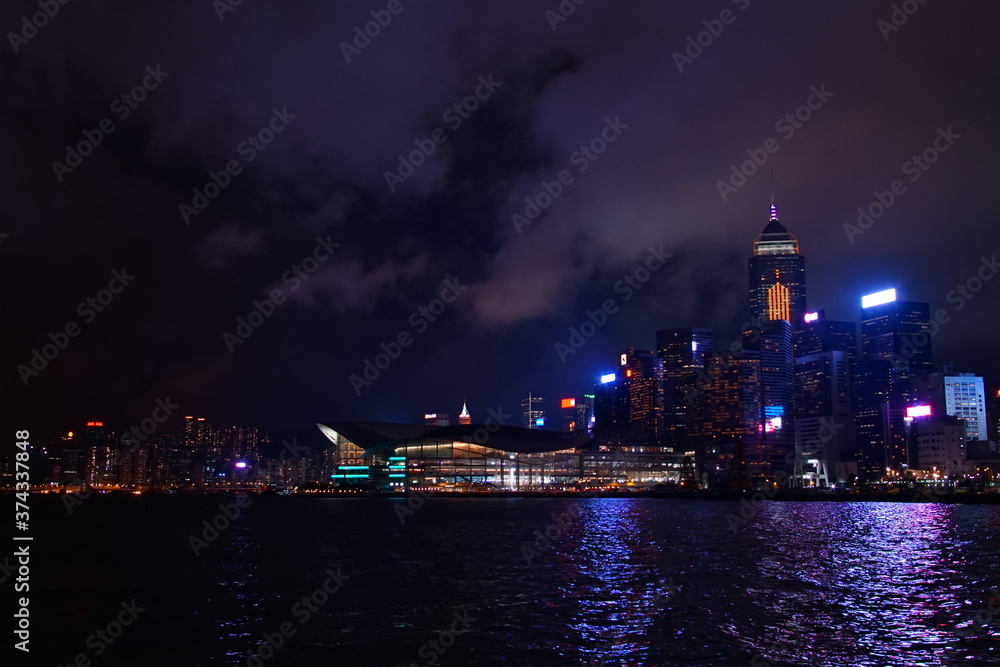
(811, 317)
(610, 377)
(918, 411)
(567, 403)
(878, 298)
(540, 421)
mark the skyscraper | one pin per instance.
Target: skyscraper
(817, 334)
(895, 354)
(767, 376)
(965, 398)
(682, 352)
(777, 275)
(643, 379)
(873, 384)
(824, 425)
(611, 409)
(897, 331)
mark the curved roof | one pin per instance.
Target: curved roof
(373, 436)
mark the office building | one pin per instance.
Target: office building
(682, 352)
(767, 376)
(777, 275)
(897, 330)
(965, 398)
(641, 371)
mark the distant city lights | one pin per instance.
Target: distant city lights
(878, 298)
(241, 464)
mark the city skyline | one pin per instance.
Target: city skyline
(355, 260)
(779, 233)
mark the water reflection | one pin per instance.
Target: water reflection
(859, 584)
(614, 598)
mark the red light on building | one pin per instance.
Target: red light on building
(96, 424)
(628, 373)
(567, 403)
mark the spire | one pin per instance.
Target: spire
(464, 417)
(774, 209)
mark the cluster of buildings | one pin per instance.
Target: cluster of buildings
(828, 403)
(203, 457)
(825, 403)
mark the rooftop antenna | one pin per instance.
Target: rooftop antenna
(774, 207)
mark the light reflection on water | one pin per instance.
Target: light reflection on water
(621, 582)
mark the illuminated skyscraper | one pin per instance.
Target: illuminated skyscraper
(895, 354)
(767, 373)
(897, 331)
(464, 417)
(777, 275)
(577, 413)
(817, 334)
(611, 409)
(683, 354)
(642, 373)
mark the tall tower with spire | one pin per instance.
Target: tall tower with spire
(464, 417)
(777, 275)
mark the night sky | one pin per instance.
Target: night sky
(608, 67)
